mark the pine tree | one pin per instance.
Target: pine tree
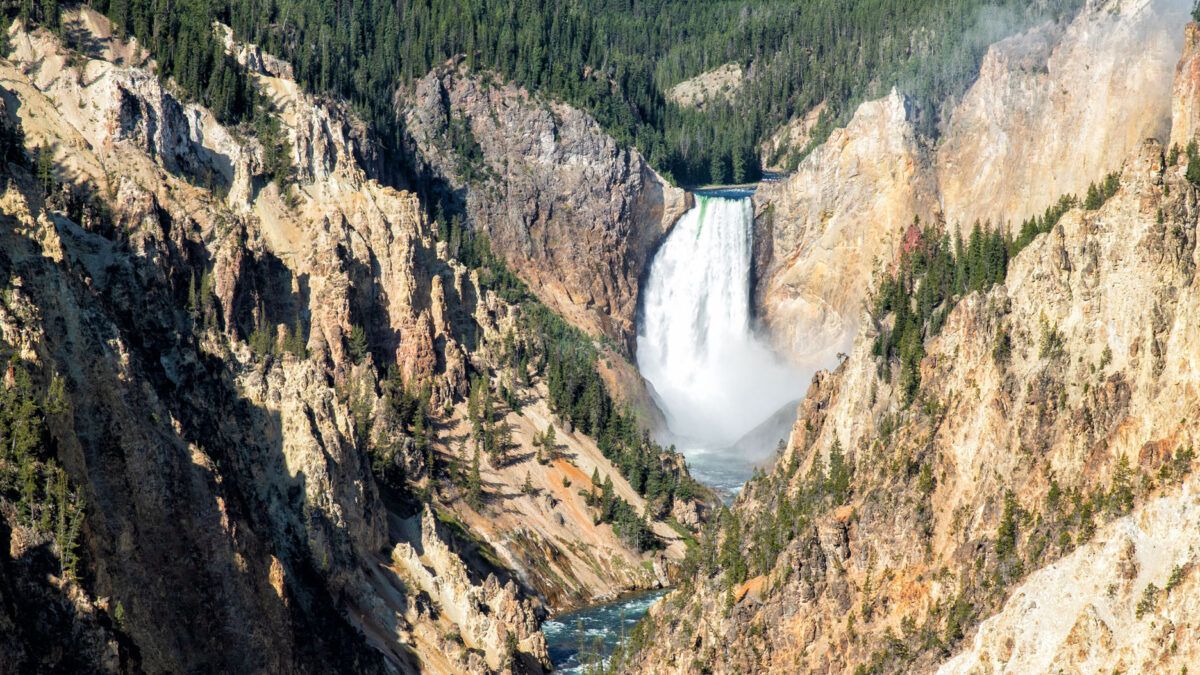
(193, 305)
(740, 173)
(1006, 534)
(1120, 493)
(358, 344)
(546, 444)
(502, 443)
(294, 343)
(205, 301)
(1193, 167)
(838, 481)
(475, 403)
(1093, 200)
(474, 483)
(45, 169)
(606, 499)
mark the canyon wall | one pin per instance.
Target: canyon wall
(821, 234)
(1059, 107)
(1006, 461)
(234, 355)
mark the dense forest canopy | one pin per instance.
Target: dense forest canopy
(614, 58)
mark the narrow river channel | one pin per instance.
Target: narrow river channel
(578, 639)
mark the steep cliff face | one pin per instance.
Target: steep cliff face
(820, 234)
(1058, 108)
(235, 430)
(1185, 113)
(576, 216)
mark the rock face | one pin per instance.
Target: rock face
(487, 614)
(1127, 601)
(574, 215)
(794, 137)
(223, 345)
(1058, 108)
(821, 234)
(1185, 99)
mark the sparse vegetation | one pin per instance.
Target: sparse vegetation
(1192, 173)
(1098, 194)
(35, 492)
(1176, 578)
(357, 344)
(933, 273)
(1148, 602)
(632, 528)
(1051, 342)
(752, 548)
(546, 443)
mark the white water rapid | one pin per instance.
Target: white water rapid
(713, 377)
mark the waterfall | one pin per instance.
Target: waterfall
(711, 374)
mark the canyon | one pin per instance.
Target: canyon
(337, 405)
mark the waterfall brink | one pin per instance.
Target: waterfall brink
(713, 377)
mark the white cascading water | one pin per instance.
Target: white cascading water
(713, 377)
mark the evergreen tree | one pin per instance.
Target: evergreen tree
(193, 302)
(1193, 166)
(45, 169)
(1006, 535)
(474, 483)
(207, 308)
(546, 443)
(839, 475)
(295, 344)
(358, 344)
(1120, 493)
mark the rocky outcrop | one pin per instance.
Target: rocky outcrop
(822, 234)
(719, 84)
(489, 616)
(1185, 99)
(1127, 601)
(790, 141)
(572, 213)
(1057, 108)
